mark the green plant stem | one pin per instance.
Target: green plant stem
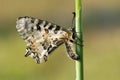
(79, 48)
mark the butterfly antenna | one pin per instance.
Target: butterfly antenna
(73, 20)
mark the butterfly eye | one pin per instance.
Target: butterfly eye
(73, 36)
(71, 41)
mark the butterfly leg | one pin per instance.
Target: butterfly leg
(54, 44)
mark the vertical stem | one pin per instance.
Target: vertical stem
(79, 48)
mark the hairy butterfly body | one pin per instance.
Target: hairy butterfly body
(42, 37)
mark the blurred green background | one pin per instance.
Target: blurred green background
(101, 22)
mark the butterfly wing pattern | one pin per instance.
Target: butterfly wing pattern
(42, 37)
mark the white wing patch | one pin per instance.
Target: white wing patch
(42, 37)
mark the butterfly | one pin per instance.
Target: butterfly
(43, 37)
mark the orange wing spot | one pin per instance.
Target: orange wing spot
(46, 31)
(67, 36)
(45, 58)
